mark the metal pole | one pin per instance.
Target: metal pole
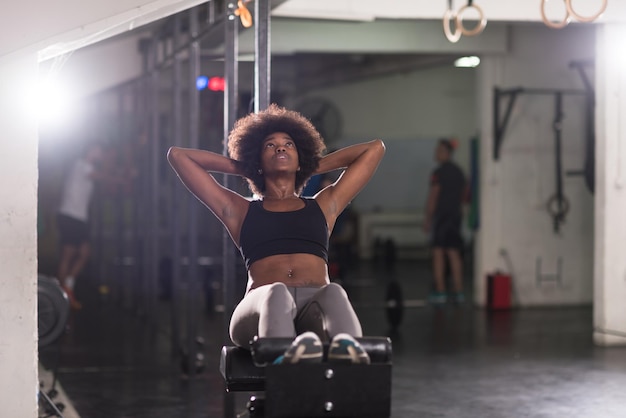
(177, 192)
(231, 71)
(194, 117)
(558, 166)
(128, 261)
(119, 203)
(262, 55)
(155, 159)
(142, 221)
(210, 12)
(231, 68)
(96, 215)
(137, 237)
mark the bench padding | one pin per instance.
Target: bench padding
(243, 369)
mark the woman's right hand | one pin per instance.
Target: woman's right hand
(193, 168)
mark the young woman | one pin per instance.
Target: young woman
(283, 237)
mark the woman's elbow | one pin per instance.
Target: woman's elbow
(379, 146)
(172, 153)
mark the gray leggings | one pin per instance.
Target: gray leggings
(276, 310)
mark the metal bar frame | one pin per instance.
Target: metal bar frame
(177, 195)
(143, 212)
(559, 215)
(262, 55)
(590, 155)
(231, 72)
(136, 219)
(194, 140)
(500, 123)
(120, 248)
(231, 90)
(154, 183)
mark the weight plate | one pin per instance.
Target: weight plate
(52, 310)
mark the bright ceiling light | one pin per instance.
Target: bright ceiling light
(52, 101)
(467, 62)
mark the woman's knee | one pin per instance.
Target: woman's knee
(277, 298)
(339, 315)
(334, 292)
(277, 293)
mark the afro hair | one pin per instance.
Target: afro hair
(246, 139)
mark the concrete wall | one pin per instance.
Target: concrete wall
(18, 245)
(610, 203)
(410, 111)
(100, 66)
(515, 189)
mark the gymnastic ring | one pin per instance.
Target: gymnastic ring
(452, 37)
(479, 27)
(554, 211)
(551, 24)
(572, 13)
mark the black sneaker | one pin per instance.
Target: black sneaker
(345, 349)
(306, 348)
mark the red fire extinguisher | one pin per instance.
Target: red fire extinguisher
(498, 291)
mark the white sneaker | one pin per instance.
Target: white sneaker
(344, 348)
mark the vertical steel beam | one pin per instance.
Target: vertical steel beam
(177, 197)
(143, 211)
(231, 72)
(194, 140)
(210, 12)
(137, 219)
(262, 55)
(97, 229)
(153, 183)
(119, 201)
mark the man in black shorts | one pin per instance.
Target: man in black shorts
(73, 218)
(443, 218)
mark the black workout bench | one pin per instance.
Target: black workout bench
(310, 390)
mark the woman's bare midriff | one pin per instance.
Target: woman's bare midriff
(292, 269)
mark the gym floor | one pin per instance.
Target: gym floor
(449, 361)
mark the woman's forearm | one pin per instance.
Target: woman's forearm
(344, 157)
(206, 160)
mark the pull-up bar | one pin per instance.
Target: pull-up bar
(500, 122)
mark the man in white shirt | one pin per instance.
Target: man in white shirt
(73, 218)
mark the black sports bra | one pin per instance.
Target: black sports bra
(265, 233)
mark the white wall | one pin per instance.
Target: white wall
(409, 111)
(610, 229)
(18, 245)
(100, 66)
(516, 188)
(421, 36)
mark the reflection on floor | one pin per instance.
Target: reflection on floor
(450, 361)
